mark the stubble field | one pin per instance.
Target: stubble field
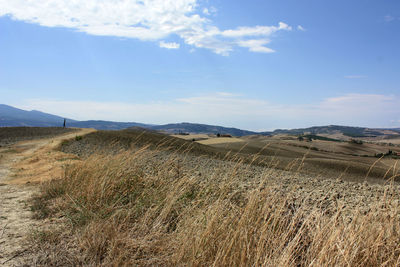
(137, 197)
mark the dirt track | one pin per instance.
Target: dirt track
(22, 167)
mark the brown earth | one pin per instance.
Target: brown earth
(166, 206)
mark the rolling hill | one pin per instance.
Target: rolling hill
(337, 129)
(186, 127)
(13, 117)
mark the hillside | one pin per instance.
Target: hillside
(186, 127)
(140, 198)
(11, 117)
(105, 125)
(14, 117)
(336, 129)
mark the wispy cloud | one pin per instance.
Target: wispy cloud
(389, 18)
(147, 20)
(301, 28)
(169, 45)
(355, 76)
(210, 11)
(255, 31)
(228, 109)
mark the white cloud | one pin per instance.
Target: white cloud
(210, 11)
(256, 45)
(301, 28)
(169, 45)
(256, 31)
(223, 108)
(147, 20)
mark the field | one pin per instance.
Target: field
(9, 135)
(327, 159)
(220, 140)
(395, 141)
(322, 158)
(142, 198)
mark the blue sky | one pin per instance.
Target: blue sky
(257, 65)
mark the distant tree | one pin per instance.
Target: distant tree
(218, 135)
(300, 138)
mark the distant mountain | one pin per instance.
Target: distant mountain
(10, 116)
(186, 127)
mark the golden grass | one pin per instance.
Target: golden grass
(135, 209)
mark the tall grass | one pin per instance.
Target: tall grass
(147, 208)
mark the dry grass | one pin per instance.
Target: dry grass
(41, 159)
(135, 209)
(191, 136)
(221, 140)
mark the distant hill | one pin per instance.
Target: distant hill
(10, 116)
(13, 117)
(345, 130)
(186, 127)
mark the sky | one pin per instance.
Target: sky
(256, 65)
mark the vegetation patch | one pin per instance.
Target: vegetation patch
(316, 137)
(355, 141)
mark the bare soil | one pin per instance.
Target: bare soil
(22, 166)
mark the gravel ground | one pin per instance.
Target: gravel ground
(15, 215)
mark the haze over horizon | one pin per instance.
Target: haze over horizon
(258, 65)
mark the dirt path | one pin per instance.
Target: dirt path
(22, 167)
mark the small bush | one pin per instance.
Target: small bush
(355, 141)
